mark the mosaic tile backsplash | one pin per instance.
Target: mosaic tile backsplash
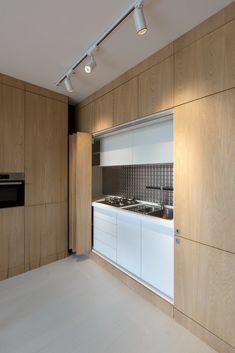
(132, 181)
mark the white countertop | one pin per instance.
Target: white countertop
(157, 220)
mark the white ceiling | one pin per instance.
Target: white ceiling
(40, 39)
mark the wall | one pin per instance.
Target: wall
(33, 140)
(195, 75)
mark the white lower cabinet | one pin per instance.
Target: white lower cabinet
(157, 260)
(129, 243)
(140, 245)
(105, 233)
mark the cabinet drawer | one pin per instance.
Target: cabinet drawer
(105, 250)
(105, 226)
(106, 238)
(106, 215)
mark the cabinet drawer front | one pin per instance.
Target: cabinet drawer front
(105, 250)
(105, 226)
(106, 215)
(106, 238)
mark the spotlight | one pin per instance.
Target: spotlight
(90, 65)
(68, 84)
(139, 18)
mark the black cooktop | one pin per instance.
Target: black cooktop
(119, 201)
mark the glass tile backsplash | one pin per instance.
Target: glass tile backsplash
(132, 181)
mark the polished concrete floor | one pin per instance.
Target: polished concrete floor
(75, 306)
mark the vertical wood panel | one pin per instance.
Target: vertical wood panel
(46, 141)
(103, 117)
(45, 234)
(207, 66)
(11, 241)
(11, 129)
(83, 193)
(204, 148)
(156, 88)
(126, 102)
(85, 116)
(205, 287)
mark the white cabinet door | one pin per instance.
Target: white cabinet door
(129, 243)
(153, 144)
(158, 256)
(116, 149)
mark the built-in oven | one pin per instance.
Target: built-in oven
(11, 190)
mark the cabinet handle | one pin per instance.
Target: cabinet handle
(177, 240)
(177, 231)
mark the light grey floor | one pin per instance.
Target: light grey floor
(75, 306)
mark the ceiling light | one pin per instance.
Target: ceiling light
(139, 18)
(68, 84)
(90, 65)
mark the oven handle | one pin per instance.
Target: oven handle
(13, 183)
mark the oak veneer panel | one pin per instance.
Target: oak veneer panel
(205, 335)
(86, 118)
(45, 234)
(11, 81)
(72, 190)
(126, 102)
(46, 150)
(45, 92)
(11, 129)
(204, 168)
(103, 117)
(11, 241)
(206, 67)
(156, 88)
(205, 287)
(152, 60)
(83, 193)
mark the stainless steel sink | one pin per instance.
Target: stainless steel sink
(155, 211)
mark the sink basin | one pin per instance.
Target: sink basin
(165, 213)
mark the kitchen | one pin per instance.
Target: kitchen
(118, 186)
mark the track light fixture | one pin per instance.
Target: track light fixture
(141, 28)
(67, 82)
(139, 19)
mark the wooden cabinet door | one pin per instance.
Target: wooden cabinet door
(157, 256)
(46, 150)
(103, 117)
(11, 241)
(46, 234)
(205, 287)
(11, 129)
(126, 102)
(206, 66)
(129, 243)
(156, 88)
(83, 180)
(85, 118)
(204, 169)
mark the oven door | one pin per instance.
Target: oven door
(11, 193)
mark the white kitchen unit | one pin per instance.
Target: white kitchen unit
(157, 256)
(150, 144)
(129, 242)
(140, 244)
(105, 233)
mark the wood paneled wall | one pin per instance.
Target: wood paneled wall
(33, 140)
(195, 75)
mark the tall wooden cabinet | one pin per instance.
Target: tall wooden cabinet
(46, 177)
(11, 129)
(204, 150)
